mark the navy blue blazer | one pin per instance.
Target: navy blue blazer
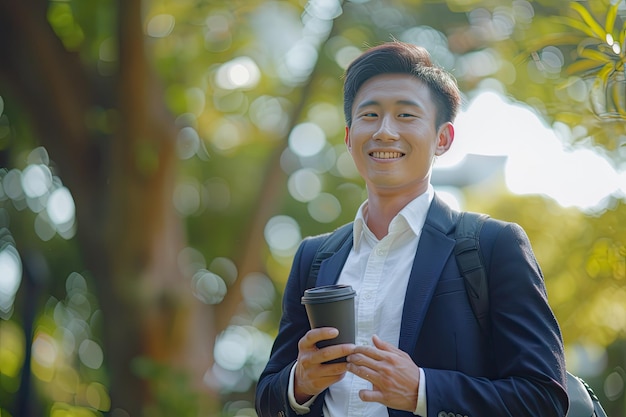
(518, 371)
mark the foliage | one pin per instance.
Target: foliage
(581, 51)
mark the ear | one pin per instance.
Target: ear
(445, 137)
(347, 139)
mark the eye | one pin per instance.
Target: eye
(406, 115)
(368, 114)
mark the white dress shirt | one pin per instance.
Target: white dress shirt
(378, 270)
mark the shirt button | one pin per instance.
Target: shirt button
(380, 252)
(368, 296)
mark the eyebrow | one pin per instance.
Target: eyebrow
(377, 103)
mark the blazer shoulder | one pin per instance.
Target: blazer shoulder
(310, 245)
(495, 228)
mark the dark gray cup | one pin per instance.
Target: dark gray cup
(331, 306)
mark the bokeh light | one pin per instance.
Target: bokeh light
(299, 62)
(97, 396)
(258, 292)
(187, 197)
(307, 139)
(36, 180)
(324, 9)
(225, 268)
(328, 117)
(187, 142)
(208, 287)
(345, 55)
(38, 189)
(227, 136)
(65, 353)
(282, 234)
(61, 208)
(90, 354)
(614, 384)
(190, 260)
(345, 165)
(161, 25)
(433, 40)
(304, 185)
(12, 350)
(269, 114)
(44, 351)
(241, 72)
(217, 34)
(324, 208)
(241, 353)
(10, 278)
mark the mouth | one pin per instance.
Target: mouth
(386, 155)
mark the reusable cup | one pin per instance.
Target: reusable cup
(331, 306)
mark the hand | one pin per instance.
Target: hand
(312, 376)
(392, 372)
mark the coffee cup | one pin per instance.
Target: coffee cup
(331, 306)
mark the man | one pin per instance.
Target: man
(419, 348)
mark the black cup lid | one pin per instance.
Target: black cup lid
(328, 294)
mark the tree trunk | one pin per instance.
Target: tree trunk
(122, 184)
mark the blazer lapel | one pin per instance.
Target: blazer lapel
(330, 268)
(433, 251)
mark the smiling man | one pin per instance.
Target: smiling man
(419, 349)
(393, 138)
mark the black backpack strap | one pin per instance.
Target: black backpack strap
(469, 261)
(331, 244)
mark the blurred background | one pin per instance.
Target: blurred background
(161, 160)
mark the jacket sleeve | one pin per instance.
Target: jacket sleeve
(528, 376)
(271, 391)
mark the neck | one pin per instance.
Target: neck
(381, 210)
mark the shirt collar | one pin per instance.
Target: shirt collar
(413, 215)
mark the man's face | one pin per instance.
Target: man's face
(393, 138)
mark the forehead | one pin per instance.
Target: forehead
(393, 87)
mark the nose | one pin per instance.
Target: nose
(386, 130)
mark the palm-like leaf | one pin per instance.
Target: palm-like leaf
(591, 26)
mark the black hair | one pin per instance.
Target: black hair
(403, 58)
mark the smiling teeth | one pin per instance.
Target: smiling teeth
(386, 155)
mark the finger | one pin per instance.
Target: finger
(319, 370)
(365, 353)
(381, 344)
(335, 352)
(323, 333)
(371, 396)
(309, 340)
(364, 372)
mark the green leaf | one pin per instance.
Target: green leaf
(610, 18)
(583, 66)
(554, 39)
(594, 26)
(577, 24)
(605, 72)
(594, 55)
